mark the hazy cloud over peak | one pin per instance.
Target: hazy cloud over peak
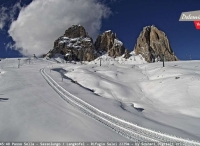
(8, 14)
(3, 17)
(43, 21)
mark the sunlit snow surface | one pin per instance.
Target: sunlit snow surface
(163, 99)
(166, 99)
(30, 110)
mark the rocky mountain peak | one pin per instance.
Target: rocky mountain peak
(152, 43)
(76, 31)
(75, 44)
(108, 42)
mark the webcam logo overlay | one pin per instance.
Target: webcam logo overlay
(191, 16)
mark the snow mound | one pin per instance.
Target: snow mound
(170, 95)
(107, 60)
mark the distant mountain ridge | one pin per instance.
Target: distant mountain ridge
(77, 45)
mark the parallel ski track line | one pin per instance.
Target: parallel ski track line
(127, 129)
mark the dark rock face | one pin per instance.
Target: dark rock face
(126, 54)
(75, 44)
(76, 31)
(152, 44)
(108, 42)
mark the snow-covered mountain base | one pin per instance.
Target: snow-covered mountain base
(107, 60)
(162, 99)
(166, 96)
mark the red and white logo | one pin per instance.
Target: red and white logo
(191, 16)
(197, 24)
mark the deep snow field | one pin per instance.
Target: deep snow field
(165, 99)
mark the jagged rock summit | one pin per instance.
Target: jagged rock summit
(76, 31)
(152, 43)
(75, 44)
(108, 42)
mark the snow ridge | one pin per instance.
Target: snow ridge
(127, 129)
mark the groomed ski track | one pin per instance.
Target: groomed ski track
(127, 129)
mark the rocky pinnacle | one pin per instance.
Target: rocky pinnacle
(152, 44)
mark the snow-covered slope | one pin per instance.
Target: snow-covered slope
(168, 95)
(175, 86)
(32, 111)
(133, 59)
(107, 60)
(162, 99)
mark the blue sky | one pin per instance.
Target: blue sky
(125, 17)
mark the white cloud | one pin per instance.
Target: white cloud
(4, 17)
(13, 10)
(43, 21)
(8, 14)
(9, 46)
